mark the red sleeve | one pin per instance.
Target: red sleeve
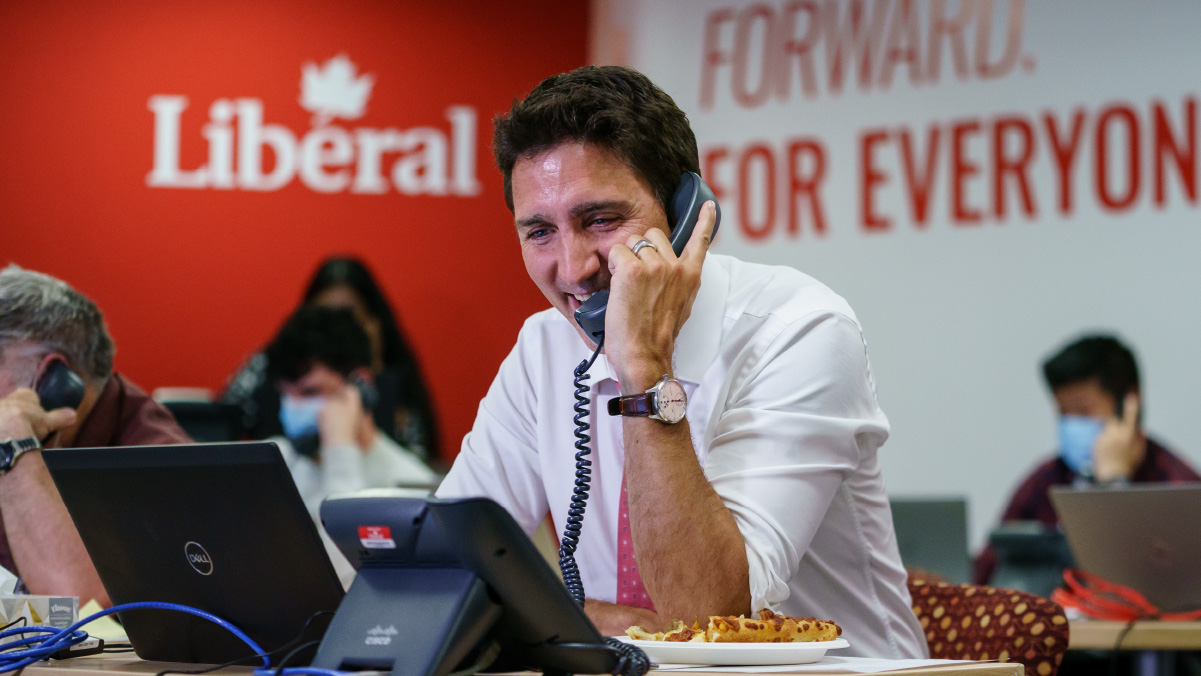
(152, 425)
(1177, 471)
(984, 566)
(1030, 502)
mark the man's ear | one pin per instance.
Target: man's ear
(48, 361)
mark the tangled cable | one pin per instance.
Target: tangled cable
(46, 641)
(1104, 600)
(631, 660)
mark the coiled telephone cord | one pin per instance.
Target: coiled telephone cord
(583, 479)
(631, 660)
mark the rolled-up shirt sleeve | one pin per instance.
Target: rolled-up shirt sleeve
(794, 426)
(499, 457)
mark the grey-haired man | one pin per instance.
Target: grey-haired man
(45, 323)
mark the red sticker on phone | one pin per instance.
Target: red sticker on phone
(376, 537)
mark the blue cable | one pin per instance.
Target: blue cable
(15, 655)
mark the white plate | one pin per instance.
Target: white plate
(736, 654)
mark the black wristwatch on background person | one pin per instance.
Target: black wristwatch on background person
(666, 401)
(13, 449)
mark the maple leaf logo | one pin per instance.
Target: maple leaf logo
(334, 90)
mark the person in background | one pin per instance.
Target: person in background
(321, 363)
(1095, 384)
(403, 412)
(45, 325)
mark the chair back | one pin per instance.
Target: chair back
(207, 421)
(972, 622)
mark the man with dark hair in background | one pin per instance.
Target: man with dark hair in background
(321, 362)
(1095, 384)
(43, 322)
(742, 472)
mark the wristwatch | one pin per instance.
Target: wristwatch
(13, 449)
(666, 401)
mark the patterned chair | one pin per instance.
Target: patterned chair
(970, 622)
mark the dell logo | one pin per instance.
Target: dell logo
(198, 558)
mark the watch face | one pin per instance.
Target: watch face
(671, 401)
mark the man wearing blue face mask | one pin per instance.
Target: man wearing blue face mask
(321, 364)
(1095, 384)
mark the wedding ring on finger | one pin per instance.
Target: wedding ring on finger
(640, 245)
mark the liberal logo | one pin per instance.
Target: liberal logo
(329, 158)
(198, 558)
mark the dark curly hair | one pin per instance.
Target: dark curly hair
(318, 335)
(1102, 357)
(612, 107)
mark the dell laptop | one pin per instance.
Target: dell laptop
(220, 527)
(1142, 536)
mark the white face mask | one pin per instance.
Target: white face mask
(299, 415)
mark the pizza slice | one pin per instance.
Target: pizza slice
(769, 628)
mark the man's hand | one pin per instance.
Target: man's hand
(339, 418)
(612, 619)
(21, 416)
(1120, 447)
(651, 296)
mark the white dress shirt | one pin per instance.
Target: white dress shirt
(784, 419)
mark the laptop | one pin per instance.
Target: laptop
(220, 527)
(932, 535)
(1143, 536)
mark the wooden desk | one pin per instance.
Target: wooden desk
(1145, 635)
(127, 665)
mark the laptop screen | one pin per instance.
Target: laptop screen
(220, 527)
(1143, 536)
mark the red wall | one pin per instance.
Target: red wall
(193, 280)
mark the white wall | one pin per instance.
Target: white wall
(959, 316)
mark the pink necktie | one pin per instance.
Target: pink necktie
(630, 591)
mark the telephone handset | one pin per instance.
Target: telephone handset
(684, 210)
(59, 387)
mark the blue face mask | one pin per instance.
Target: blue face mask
(298, 415)
(1077, 436)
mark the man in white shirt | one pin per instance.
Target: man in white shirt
(767, 492)
(321, 363)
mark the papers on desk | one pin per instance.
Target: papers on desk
(105, 627)
(827, 665)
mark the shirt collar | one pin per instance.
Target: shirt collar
(700, 337)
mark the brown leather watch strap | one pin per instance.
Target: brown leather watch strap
(632, 405)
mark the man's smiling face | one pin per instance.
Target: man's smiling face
(572, 204)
